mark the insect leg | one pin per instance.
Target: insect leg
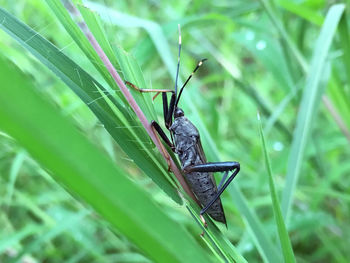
(162, 134)
(156, 128)
(167, 109)
(216, 167)
(223, 179)
(148, 90)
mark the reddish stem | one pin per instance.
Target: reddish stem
(146, 124)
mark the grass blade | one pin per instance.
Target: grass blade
(266, 247)
(57, 145)
(281, 227)
(277, 23)
(302, 11)
(309, 104)
(88, 89)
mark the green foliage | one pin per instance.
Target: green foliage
(281, 227)
(281, 58)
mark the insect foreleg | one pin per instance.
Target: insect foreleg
(216, 167)
(162, 134)
(167, 109)
(158, 91)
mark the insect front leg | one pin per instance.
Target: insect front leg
(162, 134)
(167, 109)
(158, 91)
(216, 167)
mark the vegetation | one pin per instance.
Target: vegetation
(83, 181)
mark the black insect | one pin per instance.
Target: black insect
(185, 142)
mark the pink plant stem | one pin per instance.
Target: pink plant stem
(129, 98)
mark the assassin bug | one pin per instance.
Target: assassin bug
(185, 142)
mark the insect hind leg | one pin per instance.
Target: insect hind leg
(216, 167)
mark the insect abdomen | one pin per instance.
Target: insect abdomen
(205, 190)
(186, 138)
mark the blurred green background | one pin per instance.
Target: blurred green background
(281, 58)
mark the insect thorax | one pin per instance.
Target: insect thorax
(186, 137)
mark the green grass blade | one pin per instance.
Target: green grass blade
(153, 29)
(17, 163)
(279, 26)
(86, 88)
(77, 35)
(13, 239)
(268, 250)
(309, 104)
(339, 93)
(131, 72)
(251, 91)
(56, 144)
(345, 44)
(47, 235)
(302, 11)
(128, 65)
(269, 48)
(287, 250)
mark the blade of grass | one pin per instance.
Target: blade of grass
(302, 11)
(15, 238)
(163, 48)
(79, 38)
(339, 94)
(287, 250)
(129, 67)
(132, 72)
(262, 241)
(153, 29)
(15, 168)
(245, 87)
(336, 90)
(133, 104)
(85, 87)
(217, 243)
(309, 105)
(56, 144)
(48, 234)
(219, 248)
(345, 44)
(277, 23)
(266, 248)
(268, 49)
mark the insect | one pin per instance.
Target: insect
(185, 142)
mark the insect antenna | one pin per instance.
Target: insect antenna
(178, 60)
(200, 63)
